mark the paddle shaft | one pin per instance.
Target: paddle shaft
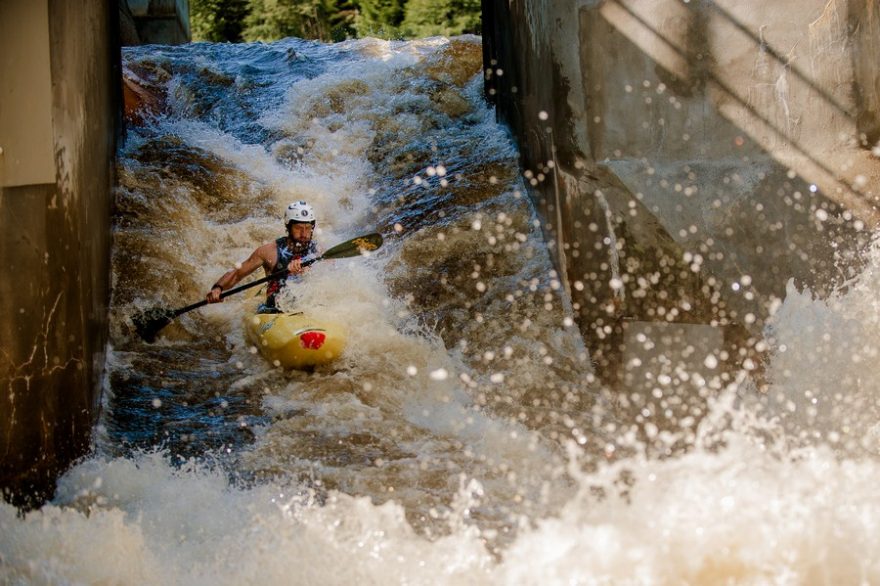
(148, 323)
(240, 288)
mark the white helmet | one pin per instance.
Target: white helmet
(299, 211)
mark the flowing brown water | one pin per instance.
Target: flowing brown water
(463, 361)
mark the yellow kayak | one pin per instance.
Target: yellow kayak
(294, 340)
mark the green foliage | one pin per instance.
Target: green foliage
(326, 20)
(217, 20)
(428, 18)
(379, 18)
(330, 20)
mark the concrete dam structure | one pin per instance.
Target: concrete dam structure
(60, 122)
(692, 157)
(59, 109)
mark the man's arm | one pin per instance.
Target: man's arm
(230, 278)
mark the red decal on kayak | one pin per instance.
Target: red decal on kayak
(312, 340)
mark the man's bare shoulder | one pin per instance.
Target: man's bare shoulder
(267, 254)
(264, 254)
(265, 249)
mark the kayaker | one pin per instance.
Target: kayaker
(285, 252)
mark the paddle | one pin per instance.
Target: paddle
(149, 322)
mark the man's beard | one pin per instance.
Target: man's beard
(298, 246)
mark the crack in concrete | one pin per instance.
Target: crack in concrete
(18, 372)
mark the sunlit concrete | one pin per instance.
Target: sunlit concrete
(690, 158)
(26, 155)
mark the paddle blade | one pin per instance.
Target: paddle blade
(149, 322)
(355, 246)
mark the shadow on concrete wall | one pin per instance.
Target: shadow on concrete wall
(685, 167)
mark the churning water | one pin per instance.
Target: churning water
(462, 438)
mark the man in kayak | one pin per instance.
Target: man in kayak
(285, 252)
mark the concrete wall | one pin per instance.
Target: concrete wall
(59, 115)
(689, 157)
(154, 22)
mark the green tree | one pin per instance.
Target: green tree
(379, 18)
(326, 20)
(217, 21)
(330, 20)
(428, 18)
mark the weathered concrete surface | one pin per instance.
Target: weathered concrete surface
(54, 242)
(154, 22)
(691, 157)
